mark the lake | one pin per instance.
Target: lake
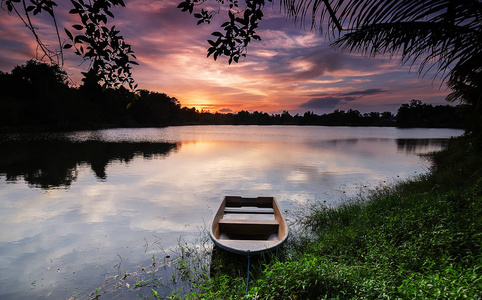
(77, 207)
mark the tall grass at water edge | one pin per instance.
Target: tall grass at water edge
(419, 239)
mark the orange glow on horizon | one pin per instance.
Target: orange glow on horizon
(212, 108)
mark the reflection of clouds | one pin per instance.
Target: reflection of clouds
(99, 201)
(271, 167)
(297, 176)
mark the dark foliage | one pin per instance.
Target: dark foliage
(418, 114)
(110, 56)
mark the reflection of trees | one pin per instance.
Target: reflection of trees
(53, 163)
(417, 145)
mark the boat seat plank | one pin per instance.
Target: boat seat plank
(235, 210)
(246, 245)
(248, 222)
(241, 226)
(258, 202)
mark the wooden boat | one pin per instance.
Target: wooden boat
(254, 224)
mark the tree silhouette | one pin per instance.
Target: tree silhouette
(40, 78)
(418, 114)
(111, 57)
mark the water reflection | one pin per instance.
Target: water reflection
(54, 162)
(419, 145)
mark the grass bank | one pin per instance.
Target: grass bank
(419, 239)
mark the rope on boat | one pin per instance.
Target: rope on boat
(247, 280)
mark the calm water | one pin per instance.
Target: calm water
(73, 204)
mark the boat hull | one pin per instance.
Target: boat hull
(248, 225)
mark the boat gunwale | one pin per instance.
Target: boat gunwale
(259, 202)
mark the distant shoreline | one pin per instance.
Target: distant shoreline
(46, 129)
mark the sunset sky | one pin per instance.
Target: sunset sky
(290, 69)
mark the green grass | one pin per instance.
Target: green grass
(419, 239)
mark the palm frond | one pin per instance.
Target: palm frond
(445, 34)
(425, 42)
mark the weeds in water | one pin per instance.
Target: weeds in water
(170, 274)
(189, 266)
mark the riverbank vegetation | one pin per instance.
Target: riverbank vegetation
(419, 239)
(38, 97)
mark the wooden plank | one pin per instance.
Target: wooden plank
(248, 227)
(239, 210)
(250, 222)
(236, 201)
(244, 246)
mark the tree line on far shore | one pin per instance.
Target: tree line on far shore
(37, 96)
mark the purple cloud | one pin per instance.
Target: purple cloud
(325, 103)
(365, 92)
(329, 102)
